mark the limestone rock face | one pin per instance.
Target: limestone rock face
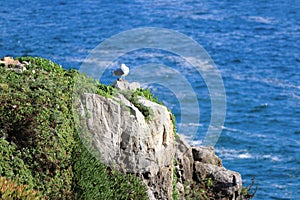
(184, 157)
(124, 139)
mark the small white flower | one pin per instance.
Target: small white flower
(14, 106)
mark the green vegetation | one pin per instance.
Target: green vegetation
(175, 192)
(40, 155)
(36, 121)
(11, 190)
(106, 90)
(147, 94)
(202, 190)
(132, 96)
(249, 192)
(96, 181)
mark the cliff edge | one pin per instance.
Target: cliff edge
(62, 140)
(123, 137)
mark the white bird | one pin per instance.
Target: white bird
(122, 71)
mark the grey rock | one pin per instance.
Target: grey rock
(180, 189)
(225, 182)
(12, 64)
(184, 157)
(19, 68)
(125, 85)
(197, 164)
(123, 139)
(120, 136)
(206, 154)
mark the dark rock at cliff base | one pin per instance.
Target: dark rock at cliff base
(200, 165)
(206, 154)
(226, 183)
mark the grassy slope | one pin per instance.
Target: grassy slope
(39, 150)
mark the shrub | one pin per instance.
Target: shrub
(12, 166)
(93, 180)
(38, 149)
(11, 190)
(36, 120)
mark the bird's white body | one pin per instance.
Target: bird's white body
(122, 71)
(125, 69)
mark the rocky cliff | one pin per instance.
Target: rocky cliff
(124, 138)
(41, 156)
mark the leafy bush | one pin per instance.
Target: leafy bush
(93, 180)
(147, 94)
(12, 166)
(36, 116)
(11, 190)
(38, 147)
(105, 90)
(249, 192)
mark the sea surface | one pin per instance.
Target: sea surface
(255, 44)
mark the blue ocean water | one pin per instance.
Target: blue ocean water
(255, 45)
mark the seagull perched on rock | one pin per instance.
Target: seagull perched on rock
(122, 71)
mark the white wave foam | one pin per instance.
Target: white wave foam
(281, 83)
(243, 131)
(211, 17)
(194, 124)
(272, 158)
(231, 154)
(278, 186)
(231, 129)
(195, 142)
(269, 81)
(245, 156)
(259, 19)
(296, 96)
